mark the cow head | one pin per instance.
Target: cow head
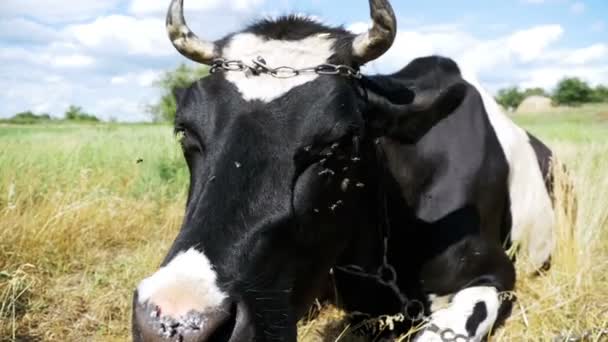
(277, 176)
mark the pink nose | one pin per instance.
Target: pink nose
(151, 324)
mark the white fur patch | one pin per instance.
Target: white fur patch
(439, 302)
(460, 309)
(531, 208)
(305, 53)
(187, 283)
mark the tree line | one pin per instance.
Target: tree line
(73, 114)
(571, 91)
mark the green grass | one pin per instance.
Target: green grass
(586, 124)
(86, 211)
(129, 160)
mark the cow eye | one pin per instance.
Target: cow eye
(187, 140)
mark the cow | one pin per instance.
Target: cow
(397, 191)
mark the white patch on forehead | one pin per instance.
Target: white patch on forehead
(187, 283)
(304, 53)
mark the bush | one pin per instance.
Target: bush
(600, 94)
(510, 98)
(28, 118)
(75, 113)
(171, 81)
(572, 92)
(535, 92)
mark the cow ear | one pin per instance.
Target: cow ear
(408, 117)
(411, 124)
(179, 93)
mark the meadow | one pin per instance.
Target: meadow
(86, 211)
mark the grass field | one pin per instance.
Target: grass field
(87, 211)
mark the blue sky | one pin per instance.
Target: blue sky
(105, 55)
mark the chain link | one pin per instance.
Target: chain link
(412, 309)
(445, 334)
(259, 66)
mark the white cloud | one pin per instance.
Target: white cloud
(526, 57)
(119, 108)
(46, 91)
(89, 55)
(578, 7)
(147, 7)
(523, 46)
(593, 53)
(598, 26)
(148, 77)
(242, 5)
(56, 11)
(133, 36)
(71, 61)
(49, 57)
(10, 54)
(49, 79)
(34, 93)
(547, 77)
(119, 80)
(27, 31)
(359, 27)
(145, 78)
(529, 44)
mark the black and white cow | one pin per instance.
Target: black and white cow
(294, 176)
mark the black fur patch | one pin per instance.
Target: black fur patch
(297, 27)
(480, 313)
(292, 27)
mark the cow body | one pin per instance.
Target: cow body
(293, 176)
(450, 210)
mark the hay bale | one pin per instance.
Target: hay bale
(535, 104)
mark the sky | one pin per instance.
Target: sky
(106, 55)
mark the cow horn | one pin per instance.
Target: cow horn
(184, 40)
(375, 42)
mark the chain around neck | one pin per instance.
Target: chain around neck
(259, 67)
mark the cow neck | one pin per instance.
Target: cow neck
(386, 275)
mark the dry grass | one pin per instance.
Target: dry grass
(572, 297)
(81, 222)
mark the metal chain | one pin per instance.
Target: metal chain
(446, 334)
(412, 309)
(259, 66)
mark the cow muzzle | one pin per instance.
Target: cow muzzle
(228, 322)
(182, 302)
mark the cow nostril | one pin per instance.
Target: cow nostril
(218, 324)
